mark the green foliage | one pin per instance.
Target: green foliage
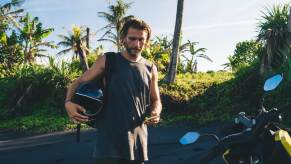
(10, 47)
(32, 35)
(42, 110)
(9, 11)
(24, 42)
(70, 41)
(158, 52)
(195, 98)
(213, 96)
(190, 59)
(92, 57)
(287, 68)
(189, 85)
(46, 82)
(245, 54)
(273, 32)
(75, 64)
(10, 55)
(37, 123)
(76, 42)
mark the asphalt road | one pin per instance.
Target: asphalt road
(61, 147)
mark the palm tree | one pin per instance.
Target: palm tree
(115, 18)
(32, 34)
(9, 42)
(273, 33)
(8, 13)
(76, 42)
(172, 69)
(191, 62)
(289, 26)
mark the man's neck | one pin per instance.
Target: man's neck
(131, 57)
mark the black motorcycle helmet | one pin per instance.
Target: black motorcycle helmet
(90, 96)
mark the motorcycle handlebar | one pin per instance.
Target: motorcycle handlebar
(264, 119)
(225, 143)
(243, 137)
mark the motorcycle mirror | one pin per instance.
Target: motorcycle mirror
(189, 137)
(272, 82)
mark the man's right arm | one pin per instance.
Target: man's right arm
(72, 109)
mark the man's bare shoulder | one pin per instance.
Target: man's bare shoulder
(95, 70)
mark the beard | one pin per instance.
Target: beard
(132, 51)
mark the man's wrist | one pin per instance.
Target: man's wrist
(155, 113)
(68, 100)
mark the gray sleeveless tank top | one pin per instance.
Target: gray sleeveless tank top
(121, 133)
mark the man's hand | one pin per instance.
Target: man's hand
(156, 105)
(153, 120)
(74, 111)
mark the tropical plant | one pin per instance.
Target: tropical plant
(160, 49)
(32, 35)
(245, 54)
(172, 68)
(76, 42)
(11, 52)
(10, 47)
(116, 17)
(159, 53)
(9, 12)
(273, 33)
(191, 61)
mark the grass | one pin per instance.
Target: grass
(37, 123)
(189, 85)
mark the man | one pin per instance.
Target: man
(122, 133)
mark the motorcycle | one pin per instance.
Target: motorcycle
(261, 141)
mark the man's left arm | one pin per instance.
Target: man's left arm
(156, 105)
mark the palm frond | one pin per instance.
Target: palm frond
(65, 38)
(14, 13)
(200, 50)
(47, 44)
(107, 16)
(64, 51)
(107, 40)
(64, 44)
(204, 57)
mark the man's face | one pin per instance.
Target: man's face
(135, 41)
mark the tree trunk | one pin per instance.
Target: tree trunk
(288, 74)
(118, 42)
(25, 52)
(195, 66)
(87, 40)
(20, 100)
(262, 66)
(172, 68)
(82, 57)
(118, 39)
(289, 28)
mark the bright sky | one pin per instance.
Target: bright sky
(216, 25)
